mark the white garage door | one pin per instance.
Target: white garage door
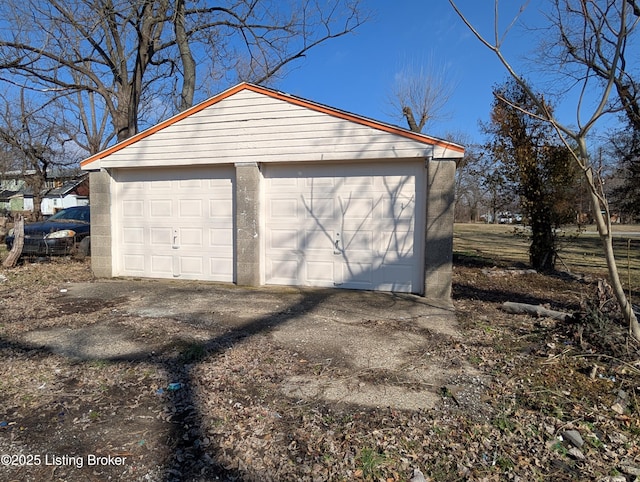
(348, 226)
(174, 223)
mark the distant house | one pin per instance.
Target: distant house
(71, 193)
(14, 180)
(5, 198)
(59, 193)
(21, 201)
(11, 183)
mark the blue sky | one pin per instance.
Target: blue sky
(356, 73)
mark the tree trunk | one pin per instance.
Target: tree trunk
(120, 118)
(606, 237)
(411, 120)
(186, 56)
(18, 243)
(542, 252)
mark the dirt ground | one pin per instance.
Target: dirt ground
(163, 381)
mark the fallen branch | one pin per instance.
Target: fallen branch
(508, 272)
(534, 310)
(18, 243)
(631, 366)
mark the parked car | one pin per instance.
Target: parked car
(505, 218)
(66, 232)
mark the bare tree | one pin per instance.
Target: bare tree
(606, 29)
(577, 51)
(420, 94)
(34, 144)
(469, 193)
(129, 53)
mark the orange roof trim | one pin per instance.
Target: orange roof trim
(276, 95)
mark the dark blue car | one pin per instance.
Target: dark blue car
(66, 232)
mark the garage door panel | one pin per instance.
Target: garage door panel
(190, 184)
(397, 181)
(221, 266)
(221, 209)
(175, 223)
(160, 236)
(190, 208)
(283, 239)
(317, 209)
(132, 209)
(320, 273)
(191, 237)
(359, 181)
(356, 224)
(317, 178)
(359, 240)
(357, 208)
(221, 238)
(133, 236)
(396, 241)
(160, 208)
(191, 265)
(395, 276)
(134, 263)
(157, 185)
(132, 188)
(402, 208)
(316, 239)
(283, 270)
(162, 264)
(356, 275)
(285, 209)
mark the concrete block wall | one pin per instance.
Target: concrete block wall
(100, 202)
(248, 181)
(439, 230)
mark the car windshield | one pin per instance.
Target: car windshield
(71, 215)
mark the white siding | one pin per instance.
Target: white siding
(250, 126)
(50, 205)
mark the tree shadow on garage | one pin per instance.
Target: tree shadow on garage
(373, 242)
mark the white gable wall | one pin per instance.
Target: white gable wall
(250, 126)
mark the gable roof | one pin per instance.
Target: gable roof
(67, 187)
(455, 149)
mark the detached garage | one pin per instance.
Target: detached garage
(257, 187)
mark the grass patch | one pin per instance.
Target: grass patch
(370, 462)
(193, 352)
(484, 245)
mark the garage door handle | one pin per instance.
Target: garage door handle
(175, 239)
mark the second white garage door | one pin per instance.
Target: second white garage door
(174, 223)
(357, 226)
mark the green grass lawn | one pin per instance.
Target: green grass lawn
(507, 245)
